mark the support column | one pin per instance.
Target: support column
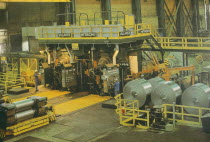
(180, 19)
(161, 17)
(72, 10)
(61, 10)
(195, 17)
(207, 14)
(106, 7)
(136, 10)
(139, 58)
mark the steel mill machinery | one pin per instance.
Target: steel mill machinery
(25, 115)
(89, 43)
(89, 49)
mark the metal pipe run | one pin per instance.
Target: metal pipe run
(115, 54)
(70, 55)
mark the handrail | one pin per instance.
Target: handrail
(182, 114)
(101, 12)
(11, 80)
(113, 31)
(80, 14)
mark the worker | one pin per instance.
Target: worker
(36, 79)
(116, 87)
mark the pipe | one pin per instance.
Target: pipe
(92, 55)
(115, 54)
(70, 55)
(48, 56)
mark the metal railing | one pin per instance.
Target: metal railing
(184, 42)
(129, 113)
(109, 13)
(132, 117)
(111, 32)
(68, 15)
(8, 81)
(182, 116)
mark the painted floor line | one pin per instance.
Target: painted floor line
(79, 103)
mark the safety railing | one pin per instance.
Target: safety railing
(182, 116)
(8, 81)
(133, 117)
(93, 32)
(129, 113)
(122, 103)
(110, 14)
(184, 43)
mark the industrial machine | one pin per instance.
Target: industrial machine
(165, 71)
(25, 115)
(109, 77)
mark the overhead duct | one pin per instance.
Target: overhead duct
(115, 54)
(70, 55)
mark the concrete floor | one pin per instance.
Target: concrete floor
(97, 124)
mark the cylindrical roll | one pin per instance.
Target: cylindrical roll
(156, 81)
(24, 104)
(197, 95)
(166, 93)
(24, 115)
(137, 89)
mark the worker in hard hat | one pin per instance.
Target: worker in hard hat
(36, 79)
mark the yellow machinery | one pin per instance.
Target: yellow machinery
(164, 71)
(170, 71)
(25, 115)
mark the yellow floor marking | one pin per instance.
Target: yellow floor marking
(79, 103)
(48, 94)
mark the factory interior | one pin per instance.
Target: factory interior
(104, 70)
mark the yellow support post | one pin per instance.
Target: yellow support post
(106, 22)
(67, 24)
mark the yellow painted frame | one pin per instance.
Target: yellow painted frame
(182, 114)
